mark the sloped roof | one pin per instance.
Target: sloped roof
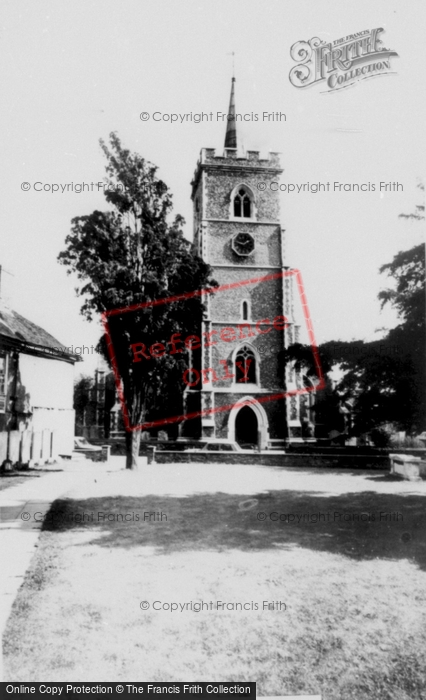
(25, 333)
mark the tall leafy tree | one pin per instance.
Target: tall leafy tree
(384, 380)
(136, 256)
(407, 295)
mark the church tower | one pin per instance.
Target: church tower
(249, 320)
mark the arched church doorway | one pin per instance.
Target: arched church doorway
(246, 427)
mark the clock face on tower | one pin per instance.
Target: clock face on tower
(243, 244)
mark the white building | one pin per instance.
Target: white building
(36, 392)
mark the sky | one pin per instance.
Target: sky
(73, 72)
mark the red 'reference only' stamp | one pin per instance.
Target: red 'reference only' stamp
(242, 371)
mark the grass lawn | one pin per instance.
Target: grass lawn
(354, 590)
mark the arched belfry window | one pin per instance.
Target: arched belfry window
(245, 366)
(243, 205)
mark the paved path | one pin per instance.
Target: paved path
(21, 511)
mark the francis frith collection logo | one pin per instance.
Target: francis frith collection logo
(342, 62)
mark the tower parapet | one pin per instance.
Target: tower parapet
(208, 155)
(231, 160)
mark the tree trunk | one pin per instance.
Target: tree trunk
(133, 441)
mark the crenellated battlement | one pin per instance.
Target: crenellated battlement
(232, 160)
(208, 155)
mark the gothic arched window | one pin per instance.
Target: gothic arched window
(245, 366)
(243, 203)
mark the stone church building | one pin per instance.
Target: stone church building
(250, 320)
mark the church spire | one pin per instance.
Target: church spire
(231, 128)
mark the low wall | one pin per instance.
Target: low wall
(341, 461)
(307, 455)
(352, 450)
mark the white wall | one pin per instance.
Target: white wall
(48, 385)
(49, 382)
